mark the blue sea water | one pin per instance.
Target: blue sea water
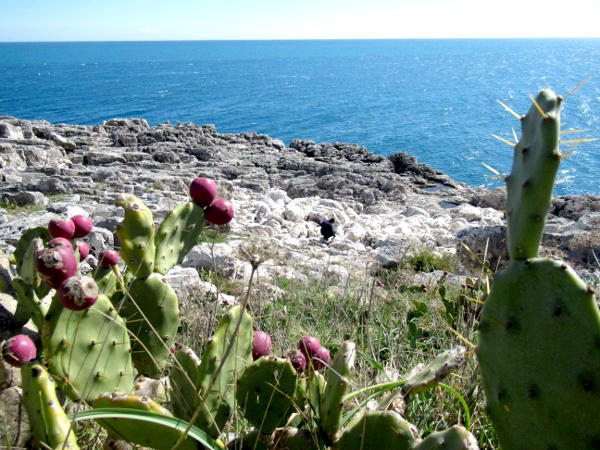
(434, 99)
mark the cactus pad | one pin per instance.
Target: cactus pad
(215, 385)
(49, 422)
(377, 430)
(136, 234)
(425, 377)
(539, 353)
(137, 431)
(182, 378)
(88, 351)
(155, 330)
(454, 438)
(177, 234)
(265, 392)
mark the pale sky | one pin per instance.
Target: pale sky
(113, 20)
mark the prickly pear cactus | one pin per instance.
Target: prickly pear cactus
(137, 431)
(49, 422)
(88, 351)
(136, 234)
(182, 378)
(151, 310)
(337, 380)
(377, 430)
(219, 372)
(177, 235)
(539, 348)
(425, 377)
(454, 438)
(265, 392)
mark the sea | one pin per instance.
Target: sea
(436, 99)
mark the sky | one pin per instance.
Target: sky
(115, 20)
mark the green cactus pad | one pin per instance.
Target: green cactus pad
(539, 354)
(29, 306)
(337, 379)
(427, 376)
(377, 430)
(454, 438)
(49, 422)
(107, 280)
(155, 330)
(25, 251)
(182, 378)
(177, 235)
(529, 185)
(88, 351)
(265, 392)
(137, 431)
(216, 394)
(136, 234)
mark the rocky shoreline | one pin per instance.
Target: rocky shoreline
(384, 208)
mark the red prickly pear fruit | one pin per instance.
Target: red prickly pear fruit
(108, 258)
(56, 264)
(320, 358)
(19, 350)
(298, 360)
(56, 242)
(203, 191)
(61, 228)
(220, 212)
(83, 226)
(78, 292)
(309, 346)
(84, 250)
(261, 344)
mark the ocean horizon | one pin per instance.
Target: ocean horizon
(436, 99)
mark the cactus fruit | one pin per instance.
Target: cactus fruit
(539, 348)
(78, 292)
(108, 258)
(454, 438)
(18, 350)
(424, 377)
(63, 228)
(337, 380)
(203, 191)
(376, 430)
(309, 346)
(151, 310)
(136, 234)
(320, 359)
(83, 226)
(178, 233)
(146, 434)
(88, 351)
(220, 212)
(83, 249)
(261, 344)
(265, 391)
(219, 371)
(49, 422)
(56, 264)
(298, 360)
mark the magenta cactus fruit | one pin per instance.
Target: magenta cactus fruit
(83, 226)
(61, 228)
(220, 212)
(18, 350)
(84, 250)
(261, 344)
(56, 242)
(56, 264)
(309, 346)
(108, 258)
(78, 292)
(320, 358)
(203, 191)
(298, 360)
